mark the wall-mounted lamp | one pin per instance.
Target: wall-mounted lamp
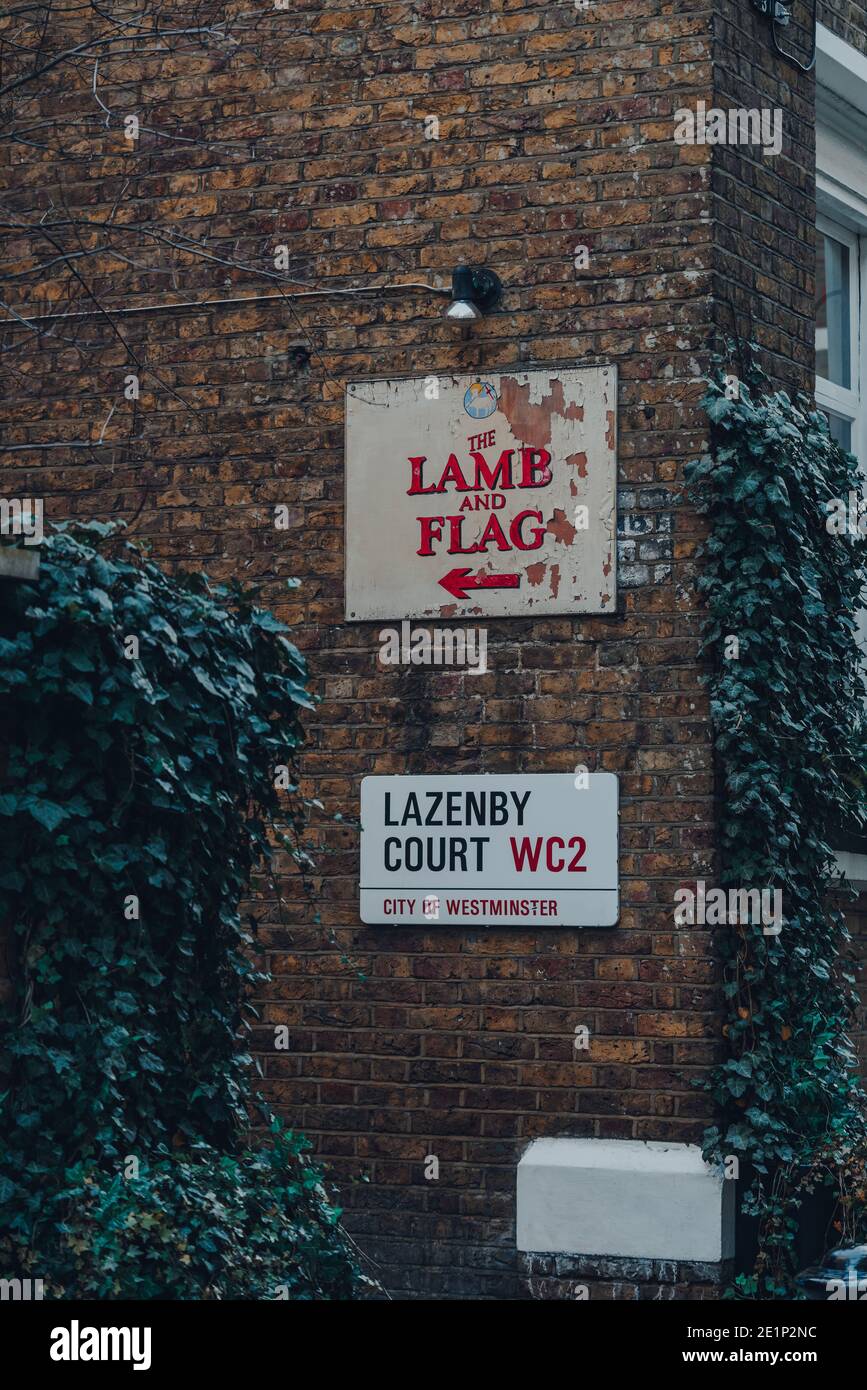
(475, 292)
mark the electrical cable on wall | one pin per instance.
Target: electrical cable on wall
(778, 13)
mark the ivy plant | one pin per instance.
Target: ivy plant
(144, 718)
(782, 584)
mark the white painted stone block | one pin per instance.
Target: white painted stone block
(623, 1197)
(18, 563)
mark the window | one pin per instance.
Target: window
(841, 287)
(839, 254)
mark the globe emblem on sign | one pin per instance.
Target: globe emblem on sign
(480, 400)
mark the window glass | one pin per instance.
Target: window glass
(833, 332)
(841, 429)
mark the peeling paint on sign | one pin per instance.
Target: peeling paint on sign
(490, 495)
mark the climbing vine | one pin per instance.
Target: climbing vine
(148, 770)
(781, 580)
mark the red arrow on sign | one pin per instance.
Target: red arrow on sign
(457, 582)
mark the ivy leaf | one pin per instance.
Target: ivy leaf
(47, 813)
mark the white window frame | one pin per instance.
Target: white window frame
(841, 202)
(841, 206)
(848, 402)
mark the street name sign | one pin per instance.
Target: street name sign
(481, 496)
(488, 850)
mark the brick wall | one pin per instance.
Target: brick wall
(848, 19)
(764, 206)
(553, 1277)
(555, 130)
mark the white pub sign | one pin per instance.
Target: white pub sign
(490, 850)
(481, 496)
